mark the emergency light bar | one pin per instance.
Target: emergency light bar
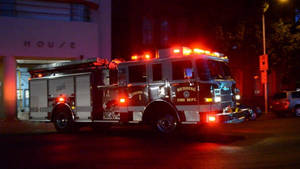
(146, 56)
(185, 51)
(179, 52)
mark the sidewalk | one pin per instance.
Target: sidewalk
(25, 127)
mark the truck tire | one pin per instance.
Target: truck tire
(252, 114)
(63, 122)
(166, 123)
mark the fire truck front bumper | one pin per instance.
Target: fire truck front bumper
(233, 117)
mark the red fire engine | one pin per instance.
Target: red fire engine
(179, 86)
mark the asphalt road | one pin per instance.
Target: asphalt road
(261, 144)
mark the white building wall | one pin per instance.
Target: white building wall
(50, 39)
(104, 22)
(47, 38)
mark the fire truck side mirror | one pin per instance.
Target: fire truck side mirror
(236, 90)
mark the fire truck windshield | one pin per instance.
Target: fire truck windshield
(210, 69)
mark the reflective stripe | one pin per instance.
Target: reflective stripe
(200, 108)
(84, 109)
(86, 121)
(136, 108)
(192, 115)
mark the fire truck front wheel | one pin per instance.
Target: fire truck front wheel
(166, 123)
(63, 122)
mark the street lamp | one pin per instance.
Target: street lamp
(264, 72)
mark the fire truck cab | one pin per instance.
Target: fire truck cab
(183, 86)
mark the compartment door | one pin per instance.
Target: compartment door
(83, 97)
(38, 100)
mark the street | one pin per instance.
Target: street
(265, 143)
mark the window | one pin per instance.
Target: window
(182, 70)
(203, 71)
(7, 7)
(48, 10)
(79, 12)
(279, 96)
(218, 70)
(295, 94)
(137, 74)
(157, 74)
(147, 31)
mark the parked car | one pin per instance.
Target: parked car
(286, 102)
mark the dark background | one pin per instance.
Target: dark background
(232, 27)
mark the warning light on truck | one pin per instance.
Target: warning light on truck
(122, 100)
(61, 99)
(176, 51)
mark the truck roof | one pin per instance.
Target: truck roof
(91, 62)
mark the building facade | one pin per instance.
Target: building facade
(39, 32)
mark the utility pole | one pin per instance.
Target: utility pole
(264, 72)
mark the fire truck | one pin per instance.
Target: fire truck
(179, 86)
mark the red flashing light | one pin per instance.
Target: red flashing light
(211, 118)
(122, 100)
(198, 51)
(40, 75)
(61, 99)
(187, 51)
(176, 51)
(134, 57)
(147, 56)
(207, 52)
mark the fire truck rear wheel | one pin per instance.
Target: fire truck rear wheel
(166, 123)
(63, 122)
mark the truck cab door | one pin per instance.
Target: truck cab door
(183, 84)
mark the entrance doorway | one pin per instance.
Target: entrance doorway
(22, 78)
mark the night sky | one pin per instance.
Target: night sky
(190, 22)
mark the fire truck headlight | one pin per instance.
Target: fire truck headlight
(217, 99)
(237, 97)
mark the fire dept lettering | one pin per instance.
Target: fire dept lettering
(186, 99)
(186, 88)
(187, 95)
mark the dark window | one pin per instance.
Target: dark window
(49, 10)
(182, 70)
(7, 7)
(147, 31)
(211, 69)
(295, 94)
(156, 69)
(203, 71)
(279, 96)
(137, 73)
(113, 76)
(79, 12)
(218, 70)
